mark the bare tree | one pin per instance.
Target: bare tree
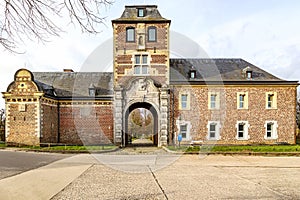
(33, 19)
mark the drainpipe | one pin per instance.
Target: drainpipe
(58, 123)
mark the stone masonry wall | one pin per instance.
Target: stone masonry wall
(22, 125)
(199, 114)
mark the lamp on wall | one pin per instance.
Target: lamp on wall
(154, 49)
(124, 50)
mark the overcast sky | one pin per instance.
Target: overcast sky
(265, 33)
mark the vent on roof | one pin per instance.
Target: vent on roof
(68, 70)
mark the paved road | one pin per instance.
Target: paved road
(128, 175)
(13, 162)
(187, 177)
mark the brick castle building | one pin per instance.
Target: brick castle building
(222, 101)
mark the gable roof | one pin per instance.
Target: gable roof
(75, 84)
(220, 70)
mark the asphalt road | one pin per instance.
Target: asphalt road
(15, 162)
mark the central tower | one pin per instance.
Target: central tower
(141, 67)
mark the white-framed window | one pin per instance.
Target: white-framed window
(141, 64)
(184, 101)
(242, 130)
(271, 130)
(213, 100)
(213, 130)
(152, 34)
(183, 131)
(271, 100)
(184, 128)
(242, 100)
(130, 34)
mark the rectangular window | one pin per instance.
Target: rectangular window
(213, 99)
(271, 100)
(184, 101)
(130, 34)
(183, 130)
(152, 34)
(242, 130)
(242, 100)
(141, 12)
(213, 130)
(271, 130)
(141, 64)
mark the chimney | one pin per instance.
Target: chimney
(68, 70)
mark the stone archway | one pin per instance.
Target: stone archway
(141, 92)
(149, 107)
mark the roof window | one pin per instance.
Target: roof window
(248, 73)
(141, 12)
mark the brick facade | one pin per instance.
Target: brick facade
(228, 114)
(218, 101)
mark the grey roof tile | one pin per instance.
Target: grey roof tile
(216, 70)
(74, 84)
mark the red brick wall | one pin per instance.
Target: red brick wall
(86, 124)
(123, 58)
(228, 114)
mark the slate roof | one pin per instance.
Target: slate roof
(218, 70)
(151, 14)
(209, 71)
(75, 84)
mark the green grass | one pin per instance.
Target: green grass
(2, 145)
(259, 148)
(77, 148)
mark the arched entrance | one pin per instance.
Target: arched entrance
(128, 134)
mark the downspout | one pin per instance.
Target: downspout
(58, 123)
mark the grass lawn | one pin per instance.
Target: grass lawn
(76, 148)
(259, 148)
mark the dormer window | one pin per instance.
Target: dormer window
(192, 73)
(141, 12)
(92, 90)
(249, 75)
